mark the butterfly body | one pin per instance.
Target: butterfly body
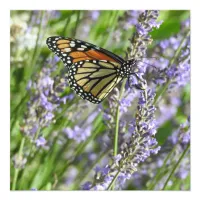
(92, 71)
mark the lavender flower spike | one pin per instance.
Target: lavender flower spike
(142, 142)
(140, 146)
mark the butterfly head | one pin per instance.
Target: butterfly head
(126, 68)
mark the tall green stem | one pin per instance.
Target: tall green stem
(117, 119)
(117, 124)
(175, 167)
(116, 132)
(19, 157)
(156, 178)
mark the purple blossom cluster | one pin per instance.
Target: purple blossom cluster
(147, 20)
(126, 101)
(167, 108)
(41, 141)
(84, 28)
(94, 14)
(77, 133)
(126, 21)
(167, 67)
(139, 143)
(149, 170)
(137, 149)
(44, 99)
(141, 39)
(181, 135)
(129, 19)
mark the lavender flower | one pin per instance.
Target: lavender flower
(167, 108)
(141, 143)
(127, 100)
(139, 147)
(44, 100)
(40, 141)
(18, 161)
(182, 173)
(126, 22)
(78, 134)
(141, 39)
(178, 70)
(174, 147)
(95, 14)
(34, 189)
(71, 174)
(130, 18)
(182, 134)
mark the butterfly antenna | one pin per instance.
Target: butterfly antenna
(151, 57)
(148, 64)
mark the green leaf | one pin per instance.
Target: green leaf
(167, 29)
(164, 132)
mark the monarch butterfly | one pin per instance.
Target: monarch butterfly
(92, 71)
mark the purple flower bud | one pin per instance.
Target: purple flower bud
(95, 14)
(87, 186)
(182, 174)
(40, 142)
(141, 29)
(34, 189)
(78, 134)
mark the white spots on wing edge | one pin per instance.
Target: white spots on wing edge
(67, 49)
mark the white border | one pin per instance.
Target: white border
(88, 5)
(100, 5)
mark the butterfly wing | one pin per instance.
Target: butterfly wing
(92, 71)
(93, 80)
(72, 50)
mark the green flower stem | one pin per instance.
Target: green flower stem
(117, 126)
(29, 158)
(65, 109)
(117, 119)
(156, 178)
(32, 144)
(78, 151)
(176, 166)
(114, 16)
(15, 178)
(36, 51)
(117, 123)
(16, 172)
(162, 90)
(82, 178)
(116, 132)
(66, 25)
(113, 181)
(77, 22)
(16, 112)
